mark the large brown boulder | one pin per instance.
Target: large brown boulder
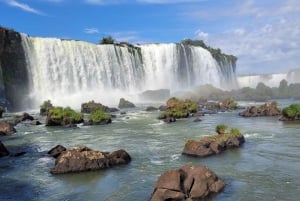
(189, 183)
(3, 150)
(6, 128)
(85, 159)
(213, 145)
(56, 151)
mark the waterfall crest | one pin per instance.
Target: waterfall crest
(70, 72)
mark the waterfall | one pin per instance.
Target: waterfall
(69, 72)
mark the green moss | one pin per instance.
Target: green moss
(65, 115)
(99, 115)
(221, 128)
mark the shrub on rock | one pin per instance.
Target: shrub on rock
(179, 109)
(45, 107)
(125, 104)
(59, 116)
(98, 116)
(291, 113)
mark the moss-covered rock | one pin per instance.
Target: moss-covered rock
(91, 105)
(45, 107)
(98, 116)
(125, 104)
(59, 116)
(214, 144)
(179, 109)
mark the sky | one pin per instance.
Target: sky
(263, 34)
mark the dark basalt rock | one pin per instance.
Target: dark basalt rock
(14, 70)
(85, 159)
(151, 108)
(36, 122)
(24, 117)
(197, 119)
(125, 104)
(189, 183)
(6, 128)
(56, 151)
(169, 120)
(162, 108)
(3, 150)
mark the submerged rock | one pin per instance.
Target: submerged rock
(3, 150)
(85, 159)
(6, 128)
(189, 183)
(151, 108)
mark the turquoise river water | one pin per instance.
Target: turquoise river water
(266, 167)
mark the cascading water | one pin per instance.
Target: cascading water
(71, 72)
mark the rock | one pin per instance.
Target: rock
(44, 108)
(25, 116)
(99, 117)
(125, 104)
(155, 95)
(151, 108)
(36, 122)
(162, 108)
(85, 159)
(169, 119)
(19, 154)
(197, 119)
(3, 150)
(56, 151)
(122, 113)
(212, 145)
(190, 183)
(1, 111)
(267, 109)
(59, 116)
(91, 105)
(6, 128)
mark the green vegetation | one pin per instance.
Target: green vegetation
(220, 139)
(292, 112)
(179, 108)
(46, 105)
(65, 115)
(221, 128)
(216, 53)
(98, 115)
(107, 40)
(260, 93)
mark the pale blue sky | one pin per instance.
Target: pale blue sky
(263, 34)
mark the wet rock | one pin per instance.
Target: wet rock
(85, 159)
(6, 128)
(212, 145)
(189, 183)
(91, 105)
(162, 108)
(197, 119)
(169, 120)
(56, 151)
(3, 150)
(125, 104)
(24, 117)
(267, 109)
(151, 108)
(36, 122)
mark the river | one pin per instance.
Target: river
(266, 167)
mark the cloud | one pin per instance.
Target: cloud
(201, 35)
(91, 30)
(24, 7)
